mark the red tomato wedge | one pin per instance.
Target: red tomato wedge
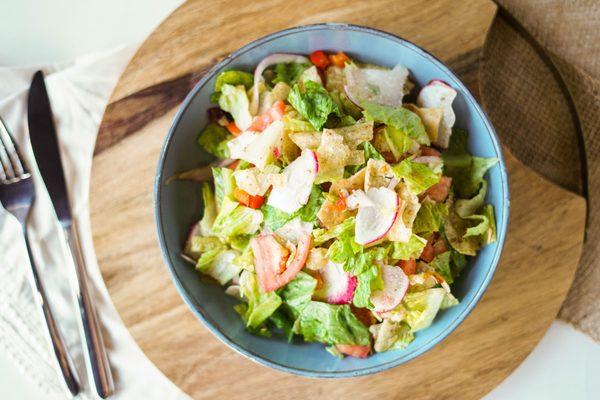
(440, 190)
(275, 113)
(268, 253)
(408, 266)
(233, 129)
(339, 59)
(320, 59)
(354, 350)
(247, 199)
(427, 151)
(428, 254)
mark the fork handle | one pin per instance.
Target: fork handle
(63, 359)
(95, 351)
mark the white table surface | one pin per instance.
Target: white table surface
(566, 363)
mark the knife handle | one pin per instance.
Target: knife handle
(63, 359)
(96, 358)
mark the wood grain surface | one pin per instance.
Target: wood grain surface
(537, 266)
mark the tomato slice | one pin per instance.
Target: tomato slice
(440, 190)
(268, 253)
(428, 254)
(233, 129)
(320, 59)
(429, 151)
(354, 350)
(339, 59)
(408, 266)
(275, 113)
(249, 200)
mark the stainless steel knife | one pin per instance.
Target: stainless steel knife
(47, 154)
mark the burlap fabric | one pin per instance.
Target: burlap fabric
(540, 84)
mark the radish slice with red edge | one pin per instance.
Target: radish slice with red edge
(438, 94)
(266, 62)
(338, 285)
(395, 285)
(377, 211)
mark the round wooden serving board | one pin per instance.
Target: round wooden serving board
(536, 269)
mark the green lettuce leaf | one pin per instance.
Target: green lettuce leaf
(298, 293)
(234, 219)
(313, 103)
(391, 335)
(430, 218)
(370, 152)
(282, 321)
(368, 281)
(322, 235)
(398, 141)
(234, 100)
(411, 249)
(214, 139)
(422, 307)
(418, 177)
(399, 118)
(210, 210)
(224, 184)
(220, 266)
(234, 78)
(260, 305)
(465, 170)
(274, 218)
(331, 324)
(245, 260)
(201, 244)
(441, 264)
(288, 72)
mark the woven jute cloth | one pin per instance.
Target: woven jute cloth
(540, 84)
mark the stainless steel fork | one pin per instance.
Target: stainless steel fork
(17, 195)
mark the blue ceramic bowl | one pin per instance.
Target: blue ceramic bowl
(179, 204)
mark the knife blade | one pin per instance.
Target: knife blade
(44, 142)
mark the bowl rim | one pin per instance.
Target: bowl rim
(197, 308)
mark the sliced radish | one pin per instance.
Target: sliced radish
(293, 230)
(438, 94)
(377, 211)
(354, 350)
(295, 190)
(257, 148)
(338, 285)
(381, 86)
(395, 285)
(268, 256)
(266, 62)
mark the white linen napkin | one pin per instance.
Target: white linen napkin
(78, 94)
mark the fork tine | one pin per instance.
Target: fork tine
(9, 156)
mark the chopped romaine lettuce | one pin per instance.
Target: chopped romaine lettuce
(465, 170)
(399, 142)
(210, 210)
(390, 335)
(441, 264)
(224, 185)
(418, 177)
(221, 267)
(234, 219)
(368, 281)
(422, 307)
(214, 140)
(298, 293)
(234, 100)
(234, 78)
(260, 305)
(321, 235)
(288, 72)
(399, 118)
(313, 103)
(410, 249)
(331, 324)
(430, 218)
